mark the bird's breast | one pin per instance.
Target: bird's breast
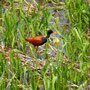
(44, 40)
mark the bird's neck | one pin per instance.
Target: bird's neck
(47, 36)
(44, 39)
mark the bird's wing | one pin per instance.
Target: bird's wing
(35, 40)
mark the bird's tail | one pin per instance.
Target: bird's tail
(28, 39)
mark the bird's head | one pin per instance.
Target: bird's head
(50, 32)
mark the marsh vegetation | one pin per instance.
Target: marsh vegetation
(60, 64)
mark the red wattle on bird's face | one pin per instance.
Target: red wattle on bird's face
(54, 32)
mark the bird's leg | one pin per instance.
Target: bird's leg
(37, 53)
(36, 48)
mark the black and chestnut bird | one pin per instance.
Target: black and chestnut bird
(39, 40)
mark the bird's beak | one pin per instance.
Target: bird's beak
(54, 32)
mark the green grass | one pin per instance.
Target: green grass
(69, 70)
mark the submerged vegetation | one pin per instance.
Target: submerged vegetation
(60, 64)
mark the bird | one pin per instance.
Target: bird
(39, 40)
